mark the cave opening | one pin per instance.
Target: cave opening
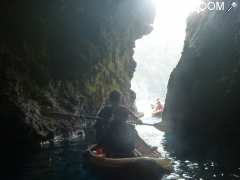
(60, 60)
(158, 53)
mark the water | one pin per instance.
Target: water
(63, 161)
(184, 168)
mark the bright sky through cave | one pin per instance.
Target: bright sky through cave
(158, 53)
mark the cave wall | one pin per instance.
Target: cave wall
(64, 56)
(202, 104)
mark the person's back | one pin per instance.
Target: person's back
(106, 116)
(102, 124)
(121, 136)
(123, 140)
(112, 131)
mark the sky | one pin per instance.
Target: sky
(158, 53)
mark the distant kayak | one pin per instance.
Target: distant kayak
(146, 163)
(157, 109)
(157, 113)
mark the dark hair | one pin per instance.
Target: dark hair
(115, 97)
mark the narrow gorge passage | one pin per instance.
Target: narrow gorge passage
(158, 53)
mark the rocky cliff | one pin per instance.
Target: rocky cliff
(64, 56)
(202, 105)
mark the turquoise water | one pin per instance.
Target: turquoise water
(63, 160)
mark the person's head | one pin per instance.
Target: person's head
(115, 97)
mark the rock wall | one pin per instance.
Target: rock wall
(64, 56)
(202, 105)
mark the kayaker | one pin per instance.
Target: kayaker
(108, 114)
(121, 136)
(158, 106)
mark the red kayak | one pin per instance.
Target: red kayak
(157, 113)
(157, 109)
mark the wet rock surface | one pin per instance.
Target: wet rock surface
(64, 56)
(202, 105)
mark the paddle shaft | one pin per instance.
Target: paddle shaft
(92, 117)
(146, 124)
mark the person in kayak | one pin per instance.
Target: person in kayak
(109, 113)
(121, 136)
(106, 115)
(158, 106)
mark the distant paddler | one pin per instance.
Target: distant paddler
(157, 108)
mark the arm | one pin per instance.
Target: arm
(101, 118)
(136, 119)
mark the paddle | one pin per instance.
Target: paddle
(147, 124)
(156, 125)
(63, 115)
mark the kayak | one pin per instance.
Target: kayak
(157, 114)
(146, 164)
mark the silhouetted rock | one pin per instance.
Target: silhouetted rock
(64, 56)
(202, 105)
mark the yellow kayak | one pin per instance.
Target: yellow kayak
(146, 164)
